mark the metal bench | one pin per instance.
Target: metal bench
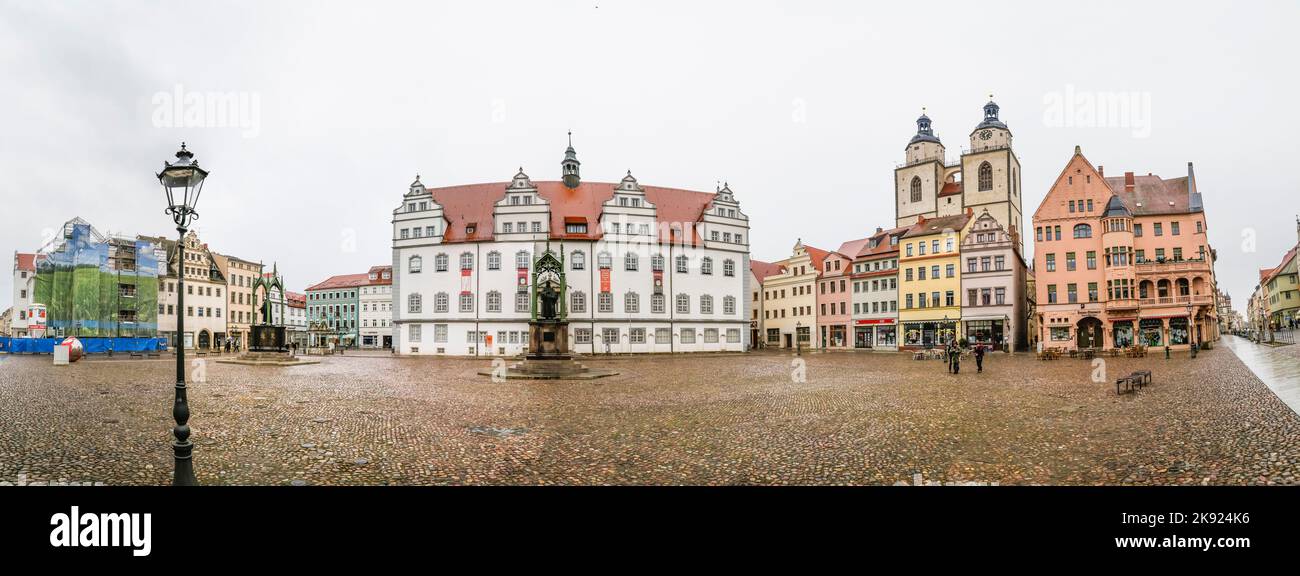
(1143, 376)
(1128, 383)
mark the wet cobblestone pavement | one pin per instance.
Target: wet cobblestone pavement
(860, 418)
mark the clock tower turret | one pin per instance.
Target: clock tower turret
(991, 172)
(992, 132)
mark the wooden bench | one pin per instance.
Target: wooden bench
(137, 355)
(153, 354)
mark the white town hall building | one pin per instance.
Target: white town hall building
(648, 269)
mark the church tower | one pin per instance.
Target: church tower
(991, 173)
(919, 180)
(569, 167)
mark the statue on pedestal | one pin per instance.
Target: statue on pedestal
(549, 329)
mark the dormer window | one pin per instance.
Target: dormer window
(574, 228)
(469, 229)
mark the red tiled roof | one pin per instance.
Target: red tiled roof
(884, 247)
(473, 204)
(851, 248)
(817, 255)
(1153, 193)
(937, 225)
(950, 189)
(1266, 274)
(762, 269)
(296, 300)
(344, 281)
(379, 280)
(26, 262)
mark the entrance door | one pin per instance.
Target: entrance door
(1090, 333)
(788, 343)
(205, 340)
(862, 337)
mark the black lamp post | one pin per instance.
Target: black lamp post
(183, 181)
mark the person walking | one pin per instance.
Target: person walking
(979, 358)
(956, 358)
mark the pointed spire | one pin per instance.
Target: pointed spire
(570, 166)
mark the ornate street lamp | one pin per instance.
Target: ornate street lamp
(183, 181)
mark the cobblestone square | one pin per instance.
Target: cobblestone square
(859, 418)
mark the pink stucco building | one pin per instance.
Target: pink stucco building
(834, 318)
(1123, 260)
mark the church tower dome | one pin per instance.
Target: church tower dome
(924, 132)
(924, 146)
(570, 166)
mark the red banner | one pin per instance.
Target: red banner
(604, 280)
(465, 281)
(875, 321)
(523, 276)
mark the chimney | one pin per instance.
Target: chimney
(1128, 181)
(879, 229)
(1194, 202)
(1101, 171)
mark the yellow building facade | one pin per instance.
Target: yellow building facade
(929, 281)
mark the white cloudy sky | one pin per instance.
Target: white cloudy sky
(804, 107)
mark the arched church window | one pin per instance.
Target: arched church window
(916, 188)
(986, 177)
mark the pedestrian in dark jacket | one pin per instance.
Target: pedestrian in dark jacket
(979, 358)
(954, 352)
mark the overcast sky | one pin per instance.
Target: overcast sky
(804, 107)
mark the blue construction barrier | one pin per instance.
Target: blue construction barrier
(91, 345)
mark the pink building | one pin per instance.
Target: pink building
(1123, 260)
(834, 318)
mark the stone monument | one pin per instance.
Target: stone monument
(267, 343)
(548, 356)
